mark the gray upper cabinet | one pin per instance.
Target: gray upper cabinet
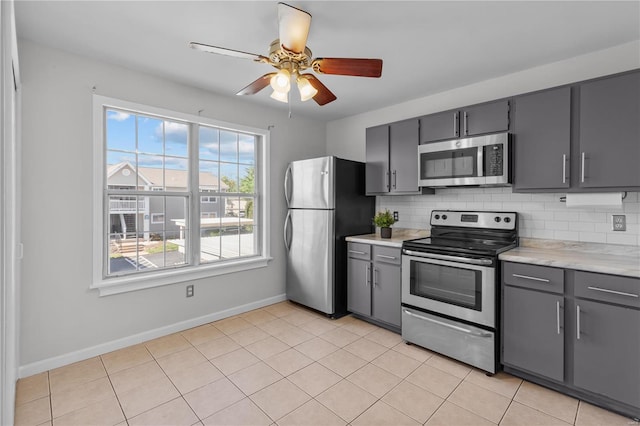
(491, 117)
(542, 142)
(377, 167)
(392, 159)
(609, 132)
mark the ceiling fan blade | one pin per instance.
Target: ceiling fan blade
(294, 26)
(348, 66)
(227, 52)
(257, 85)
(324, 95)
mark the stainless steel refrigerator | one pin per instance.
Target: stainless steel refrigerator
(326, 203)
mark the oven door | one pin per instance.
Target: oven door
(456, 288)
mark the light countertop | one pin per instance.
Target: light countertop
(398, 235)
(603, 258)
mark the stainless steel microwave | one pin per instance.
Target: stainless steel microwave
(477, 161)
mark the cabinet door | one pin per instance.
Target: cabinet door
(486, 118)
(359, 286)
(386, 293)
(610, 132)
(607, 353)
(533, 335)
(439, 126)
(542, 140)
(403, 156)
(377, 153)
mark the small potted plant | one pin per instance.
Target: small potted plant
(384, 220)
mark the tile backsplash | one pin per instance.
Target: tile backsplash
(539, 215)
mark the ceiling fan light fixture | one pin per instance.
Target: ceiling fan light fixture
(280, 96)
(281, 82)
(307, 91)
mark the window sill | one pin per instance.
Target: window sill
(117, 285)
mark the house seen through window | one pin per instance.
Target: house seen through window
(177, 193)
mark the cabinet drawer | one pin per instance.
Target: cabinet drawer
(534, 276)
(387, 255)
(608, 288)
(359, 251)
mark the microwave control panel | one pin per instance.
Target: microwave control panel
(493, 160)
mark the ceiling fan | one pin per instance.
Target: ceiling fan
(291, 56)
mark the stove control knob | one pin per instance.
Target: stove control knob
(444, 217)
(497, 219)
(437, 216)
(507, 219)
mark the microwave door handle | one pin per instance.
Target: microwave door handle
(471, 261)
(480, 161)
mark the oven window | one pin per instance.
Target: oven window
(456, 286)
(449, 164)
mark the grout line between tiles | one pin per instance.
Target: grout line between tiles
(114, 391)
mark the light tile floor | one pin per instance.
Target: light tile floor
(286, 365)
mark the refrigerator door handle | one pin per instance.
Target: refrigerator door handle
(286, 185)
(287, 220)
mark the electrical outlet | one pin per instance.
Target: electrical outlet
(395, 216)
(619, 222)
(190, 290)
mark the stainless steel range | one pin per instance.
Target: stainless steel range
(450, 284)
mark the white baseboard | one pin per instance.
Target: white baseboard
(103, 348)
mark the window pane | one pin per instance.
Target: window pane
(176, 175)
(121, 130)
(176, 136)
(247, 179)
(229, 177)
(150, 135)
(249, 240)
(209, 143)
(150, 172)
(228, 146)
(121, 170)
(209, 175)
(247, 149)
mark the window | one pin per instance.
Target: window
(177, 197)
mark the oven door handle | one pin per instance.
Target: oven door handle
(444, 324)
(471, 261)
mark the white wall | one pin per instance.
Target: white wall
(346, 137)
(62, 320)
(542, 215)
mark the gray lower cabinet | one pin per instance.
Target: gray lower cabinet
(542, 140)
(610, 132)
(607, 351)
(582, 336)
(373, 286)
(533, 338)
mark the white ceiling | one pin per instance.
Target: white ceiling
(427, 46)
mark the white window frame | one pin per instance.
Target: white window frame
(121, 284)
(154, 216)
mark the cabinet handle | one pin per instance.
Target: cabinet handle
(368, 277)
(388, 181)
(582, 167)
(564, 168)
(456, 132)
(619, 293)
(466, 130)
(384, 256)
(578, 322)
(375, 276)
(357, 252)
(526, 277)
(395, 179)
(558, 317)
